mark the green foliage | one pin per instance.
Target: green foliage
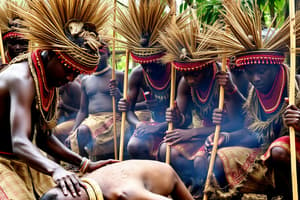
(208, 11)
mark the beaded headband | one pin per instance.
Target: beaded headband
(11, 35)
(191, 66)
(69, 62)
(147, 59)
(259, 57)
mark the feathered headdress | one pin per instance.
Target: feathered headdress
(9, 18)
(185, 49)
(67, 27)
(247, 40)
(140, 26)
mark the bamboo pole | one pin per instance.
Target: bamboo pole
(122, 136)
(216, 137)
(173, 86)
(292, 97)
(2, 49)
(113, 77)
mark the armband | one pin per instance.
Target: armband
(83, 165)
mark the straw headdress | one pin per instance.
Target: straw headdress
(247, 40)
(140, 26)
(184, 48)
(9, 18)
(67, 27)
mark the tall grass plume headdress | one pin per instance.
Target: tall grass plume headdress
(10, 19)
(140, 26)
(185, 49)
(68, 27)
(248, 40)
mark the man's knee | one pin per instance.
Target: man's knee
(83, 130)
(137, 147)
(279, 155)
(162, 152)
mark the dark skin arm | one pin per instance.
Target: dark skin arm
(235, 121)
(231, 90)
(291, 117)
(83, 110)
(242, 137)
(116, 86)
(181, 107)
(22, 95)
(134, 85)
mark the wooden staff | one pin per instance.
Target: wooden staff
(2, 49)
(173, 87)
(122, 136)
(216, 136)
(292, 97)
(113, 77)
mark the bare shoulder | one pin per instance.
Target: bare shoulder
(119, 73)
(17, 77)
(137, 71)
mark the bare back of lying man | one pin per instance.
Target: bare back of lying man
(134, 180)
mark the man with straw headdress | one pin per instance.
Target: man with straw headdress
(257, 159)
(140, 26)
(65, 36)
(198, 90)
(14, 41)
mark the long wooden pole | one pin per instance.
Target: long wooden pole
(2, 49)
(122, 136)
(292, 97)
(216, 137)
(173, 87)
(113, 77)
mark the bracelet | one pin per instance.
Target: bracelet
(96, 189)
(233, 91)
(182, 120)
(83, 165)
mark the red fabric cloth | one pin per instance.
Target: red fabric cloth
(283, 142)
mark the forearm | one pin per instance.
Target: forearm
(202, 132)
(141, 105)
(243, 137)
(132, 118)
(52, 146)
(233, 125)
(30, 154)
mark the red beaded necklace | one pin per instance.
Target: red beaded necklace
(203, 96)
(46, 94)
(163, 83)
(270, 101)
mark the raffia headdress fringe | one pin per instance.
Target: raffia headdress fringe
(54, 23)
(141, 22)
(187, 48)
(246, 34)
(8, 14)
